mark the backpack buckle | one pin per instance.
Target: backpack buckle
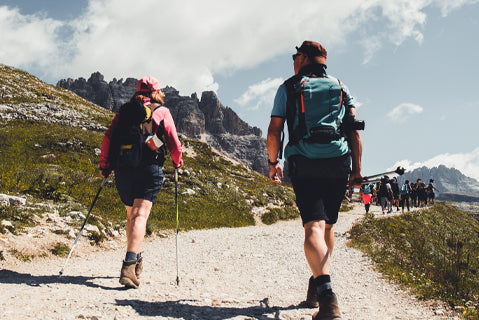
(322, 135)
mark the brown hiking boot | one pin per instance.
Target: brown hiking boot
(312, 295)
(139, 267)
(128, 276)
(328, 307)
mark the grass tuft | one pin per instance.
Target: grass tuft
(60, 249)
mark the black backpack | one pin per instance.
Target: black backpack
(127, 145)
(383, 190)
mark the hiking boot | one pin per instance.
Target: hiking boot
(128, 276)
(312, 295)
(328, 307)
(139, 267)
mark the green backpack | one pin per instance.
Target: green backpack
(404, 189)
(314, 109)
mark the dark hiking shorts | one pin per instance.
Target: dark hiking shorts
(319, 198)
(143, 182)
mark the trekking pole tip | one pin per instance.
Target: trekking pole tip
(177, 281)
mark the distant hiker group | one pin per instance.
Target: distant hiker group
(388, 194)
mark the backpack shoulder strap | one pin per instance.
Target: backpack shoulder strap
(342, 96)
(294, 96)
(148, 125)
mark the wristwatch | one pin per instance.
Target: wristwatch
(273, 163)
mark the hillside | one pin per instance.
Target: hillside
(49, 149)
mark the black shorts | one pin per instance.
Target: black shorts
(143, 182)
(319, 198)
(422, 196)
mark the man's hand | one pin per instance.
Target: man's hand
(355, 180)
(276, 173)
(273, 145)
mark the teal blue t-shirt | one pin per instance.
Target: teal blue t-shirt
(312, 150)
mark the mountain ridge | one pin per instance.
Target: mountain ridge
(205, 119)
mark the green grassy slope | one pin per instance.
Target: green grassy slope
(52, 159)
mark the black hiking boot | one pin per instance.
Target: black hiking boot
(312, 295)
(328, 307)
(127, 275)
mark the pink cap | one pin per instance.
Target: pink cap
(148, 84)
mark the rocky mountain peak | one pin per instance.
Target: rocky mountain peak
(206, 119)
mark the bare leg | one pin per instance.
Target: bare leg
(329, 238)
(136, 224)
(316, 247)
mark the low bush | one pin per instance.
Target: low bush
(275, 214)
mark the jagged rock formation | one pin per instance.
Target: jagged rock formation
(108, 95)
(453, 184)
(206, 119)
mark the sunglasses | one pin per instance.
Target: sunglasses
(296, 55)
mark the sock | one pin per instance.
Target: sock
(138, 256)
(130, 256)
(323, 284)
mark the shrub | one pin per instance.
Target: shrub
(60, 250)
(275, 214)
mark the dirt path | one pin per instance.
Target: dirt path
(246, 273)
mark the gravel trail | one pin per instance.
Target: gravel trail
(256, 272)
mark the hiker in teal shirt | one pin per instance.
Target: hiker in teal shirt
(323, 143)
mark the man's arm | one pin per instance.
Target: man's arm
(273, 144)
(356, 146)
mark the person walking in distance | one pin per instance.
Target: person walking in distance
(421, 192)
(413, 195)
(395, 190)
(405, 191)
(430, 191)
(366, 193)
(386, 195)
(134, 147)
(319, 154)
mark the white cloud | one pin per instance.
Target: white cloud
(186, 43)
(467, 163)
(27, 39)
(371, 46)
(447, 6)
(260, 94)
(402, 112)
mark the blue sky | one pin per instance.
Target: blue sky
(411, 64)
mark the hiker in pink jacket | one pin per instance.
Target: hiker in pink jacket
(134, 147)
